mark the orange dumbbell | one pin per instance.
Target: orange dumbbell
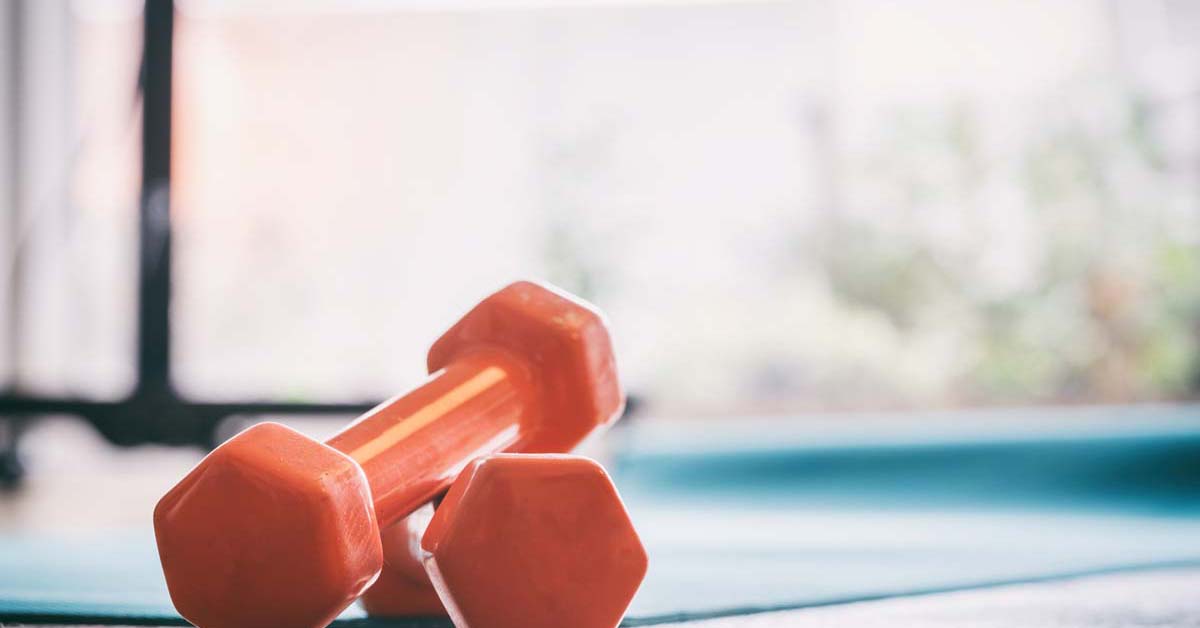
(520, 541)
(275, 529)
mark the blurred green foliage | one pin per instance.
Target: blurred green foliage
(1104, 302)
(961, 253)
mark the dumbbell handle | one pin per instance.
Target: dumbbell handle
(412, 447)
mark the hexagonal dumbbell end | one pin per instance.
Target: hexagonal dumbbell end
(564, 340)
(270, 502)
(534, 541)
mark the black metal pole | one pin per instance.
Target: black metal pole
(154, 413)
(11, 469)
(154, 290)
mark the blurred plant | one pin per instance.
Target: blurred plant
(1078, 287)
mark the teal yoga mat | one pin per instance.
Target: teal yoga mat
(747, 515)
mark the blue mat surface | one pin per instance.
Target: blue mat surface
(748, 515)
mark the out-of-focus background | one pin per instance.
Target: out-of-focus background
(782, 206)
(785, 208)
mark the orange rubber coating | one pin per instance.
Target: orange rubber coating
(270, 529)
(534, 541)
(405, 590)
(420, 598)
(273, 528)
(587, 399)
(566, 342)
(403, 580)
(411, 447)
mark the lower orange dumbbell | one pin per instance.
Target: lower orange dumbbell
(403, 588)
(530, 541)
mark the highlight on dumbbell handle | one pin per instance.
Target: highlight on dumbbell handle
(412, 447)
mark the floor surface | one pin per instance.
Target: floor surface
(1167, 598)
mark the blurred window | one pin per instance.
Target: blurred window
(782, 206)
(69, 187)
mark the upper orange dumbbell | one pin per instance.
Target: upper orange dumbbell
(275, 529)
